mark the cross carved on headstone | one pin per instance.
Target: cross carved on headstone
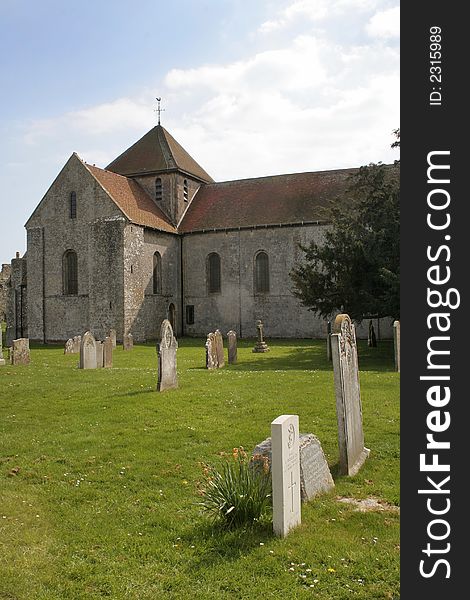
(291, 487)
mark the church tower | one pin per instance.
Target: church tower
(164, 169)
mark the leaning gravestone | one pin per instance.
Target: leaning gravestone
(99, 354)
(2, 360)
(285, 469)
(20, 352)
(128, 342)
(108, 353)
(77, 340)
(211, 352)
(112, 335)
(396, 344)
(87, 352)
(232, 347)
(352, 452)
(166, 350)
(68, 346)
(315, 476)
(261, 345)
(219, 349)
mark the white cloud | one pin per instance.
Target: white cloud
(385, 24)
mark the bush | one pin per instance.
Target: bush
(240, 493)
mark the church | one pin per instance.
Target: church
(153, 236)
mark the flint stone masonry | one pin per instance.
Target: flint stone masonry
(232, 347)
(99, 354)
(108, 353)
(396, 344)
(69, 346)
(128, 342)
(211, 352)
(219, 349)
(19, 354)
(315, 475)
(166, 350)
(88, 352)
(352, 452)
(285, 469)
(261, 345)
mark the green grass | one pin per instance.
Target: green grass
(99, 476)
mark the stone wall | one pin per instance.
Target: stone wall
(4, 287)
(17, 302)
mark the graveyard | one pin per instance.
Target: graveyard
(101, 475)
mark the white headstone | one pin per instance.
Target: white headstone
(396, 344)
(352, 452)
(87, 352)
(285, 473)
(166, 349)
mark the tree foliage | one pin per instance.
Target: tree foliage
(356, 269)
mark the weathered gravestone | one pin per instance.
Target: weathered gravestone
(261, 345)
(328, 341)
(166, 350)
(108, 352)
(396, 344)
(315, 476)
(352, 452)
(87, 352)
(77, 341)
(68, 346)
(211, 352)
(19, 354)
(112, 335)
(232, 347)
(2, 360)
(371, 339)
(219, 349)
(285, 469)
(99, 354)
(128, 342)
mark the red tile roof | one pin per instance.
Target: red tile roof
(279, 199)
(157, 151)
(133, 201)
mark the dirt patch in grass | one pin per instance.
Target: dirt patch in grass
(369, 504)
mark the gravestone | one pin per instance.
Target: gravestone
(108, 352)
(128, 342)
(87, 352)
(77, 340)
(371, 339)
(211, 352)
(328, 341)
(166, 350)
(352, 452)
(19, 354)
(232, 347)
(112, 335)
(99, 354)
(261, 345)
(285, 468)
(68, 346)
(315, 475)
(2, 360)
(219, 349)
(396, 344)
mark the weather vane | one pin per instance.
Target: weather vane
(159, 109)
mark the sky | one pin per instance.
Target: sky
(249, 87)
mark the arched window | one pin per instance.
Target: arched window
(158, 189)
(157, 273)
(213, 273)
(73, 205)
(185, 190)
(70, 273)
(261, 273)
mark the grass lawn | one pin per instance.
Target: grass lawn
(99, 476)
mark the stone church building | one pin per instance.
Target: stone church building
(152, 236)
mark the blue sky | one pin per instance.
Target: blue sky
(250, 88)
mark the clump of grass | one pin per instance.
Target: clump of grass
(240, 492)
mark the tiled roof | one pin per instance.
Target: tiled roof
(133, 201)
(156, 151)
(279, 199)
